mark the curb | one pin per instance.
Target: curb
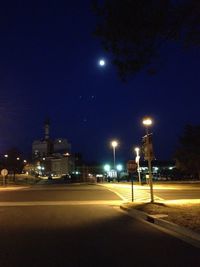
(179, 231)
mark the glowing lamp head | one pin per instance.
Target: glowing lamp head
(119, 167)
(147, 122)
(137, 149)
(107, 168)
(114, 143)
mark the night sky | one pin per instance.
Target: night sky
(49, 68)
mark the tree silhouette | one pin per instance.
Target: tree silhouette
(134, 31)
(13, 162)
(187, 155)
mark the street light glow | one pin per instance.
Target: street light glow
(147, 121)
(137, 149)
(114, 143)
(107, 167)
(119, 167)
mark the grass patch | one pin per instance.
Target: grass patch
(186, 215)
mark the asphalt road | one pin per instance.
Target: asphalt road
(81, 225)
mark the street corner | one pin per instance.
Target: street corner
(162, 220)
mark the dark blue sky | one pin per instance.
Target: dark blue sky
(48, 67)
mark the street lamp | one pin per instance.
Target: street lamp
(147, 122)
(119, 167)
(106, 168)
(114, 144)
(137, 160)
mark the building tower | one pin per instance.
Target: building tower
(46, 129)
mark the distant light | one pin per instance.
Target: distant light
(147, 121)
(18, 158)
(25, 161)
(60, 141)
(99, 175)
(106, 167)
(6, 156)
(137, 149)
(102, 62)
(119, 167)
(114, 143)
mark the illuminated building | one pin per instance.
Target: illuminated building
(54, 156)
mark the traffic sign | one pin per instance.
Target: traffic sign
(131, 166)
(147, 147)
(4, 172)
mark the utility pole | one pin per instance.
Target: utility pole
(149, 167)
(149, 153)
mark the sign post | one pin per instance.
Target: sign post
(4, 172)
(131, 167)
(132, 191)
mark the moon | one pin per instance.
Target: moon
(102, 62)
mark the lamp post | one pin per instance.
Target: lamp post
(147, 122)
(137, 160)
(114, 144)
(6, 160)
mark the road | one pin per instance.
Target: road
(161, 191)
(81, 225)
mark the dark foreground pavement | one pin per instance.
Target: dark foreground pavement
(78, 234)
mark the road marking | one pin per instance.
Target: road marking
(60, 203)
(124, 192)
(13, 188)
(119, 195)
(183, 201)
